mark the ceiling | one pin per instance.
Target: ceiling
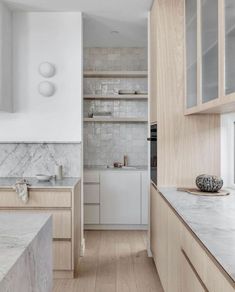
(127, 18)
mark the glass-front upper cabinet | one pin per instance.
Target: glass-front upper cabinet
(229, 46)
(191, 52)
(209, 50)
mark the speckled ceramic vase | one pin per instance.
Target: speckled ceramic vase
(209, 183)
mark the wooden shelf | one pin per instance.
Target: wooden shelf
(117, 96)
(115, 74)
(116, 120)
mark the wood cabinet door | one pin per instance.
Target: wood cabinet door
(159, 234)
(153, 221)
(190, 281)
(120, 197)
(174, 252)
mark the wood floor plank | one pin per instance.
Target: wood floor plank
(114, 261)
(89, 263)
(146, 276)
(107, 266)
(125, 268)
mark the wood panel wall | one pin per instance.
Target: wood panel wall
(187, 145)
(153, 64)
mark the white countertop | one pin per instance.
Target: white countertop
(67, 182)
(17, 231)
(111, 168)
(211, 219)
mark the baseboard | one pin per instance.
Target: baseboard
(114, 227)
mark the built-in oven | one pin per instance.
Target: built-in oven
(153, 153)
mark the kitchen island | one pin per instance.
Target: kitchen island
(192, 240)
(212, 221)
(25, 252)
(62, 200)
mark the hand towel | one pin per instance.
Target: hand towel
(21, 188)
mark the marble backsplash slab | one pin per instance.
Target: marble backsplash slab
(28, 159)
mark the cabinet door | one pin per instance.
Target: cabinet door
(191, 52)
(209, 50)
(153, 221)
(190, 281)
(174, 252)
(144, 197)
(159, 235)
(120, 197)
(91, 193)
(91, 214)
(229, 45)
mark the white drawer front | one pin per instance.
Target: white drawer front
(91, 176)
(91, 193)
(91, 214)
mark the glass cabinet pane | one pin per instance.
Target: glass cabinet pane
(230, 46)
(209, 38)
(191, 52)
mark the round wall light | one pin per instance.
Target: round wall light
(46, 89)
(47, 70)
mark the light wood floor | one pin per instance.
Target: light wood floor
(115, 261)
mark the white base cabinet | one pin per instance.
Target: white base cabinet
(120, 197)
(115, 198)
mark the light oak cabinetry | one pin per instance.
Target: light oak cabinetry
(64, 205)
(183, 264)
(161, 237)
(190, 282)
(210, 66)
(153, 65)
(182, 140)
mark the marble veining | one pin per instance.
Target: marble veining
(212, 219)
(68, 182)
(29, 159)
(25, 252)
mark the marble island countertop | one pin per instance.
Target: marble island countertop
(211, 219)
(68, 182)
(21, 238)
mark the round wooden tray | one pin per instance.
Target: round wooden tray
(197, 192)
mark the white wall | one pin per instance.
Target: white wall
(5, 58)
(56, 38)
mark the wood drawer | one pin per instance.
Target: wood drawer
(91, 176)
(190, 281)
(37, 198)
(91, 193)
(213, 276)
(62, 255)
(62, 221)
(91, 214)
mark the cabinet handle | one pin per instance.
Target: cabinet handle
(151, 139)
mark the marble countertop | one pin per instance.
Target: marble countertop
(105, 168)
(211, 219)
(17, 231)
(68, 182)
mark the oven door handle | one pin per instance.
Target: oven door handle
(151, 139)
